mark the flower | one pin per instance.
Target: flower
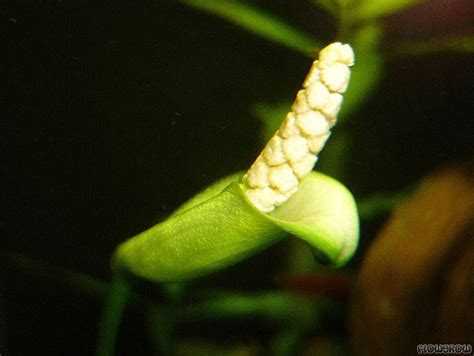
(230, 220)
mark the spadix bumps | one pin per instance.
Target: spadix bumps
(292, 152)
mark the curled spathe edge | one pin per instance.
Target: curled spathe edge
(220, 227)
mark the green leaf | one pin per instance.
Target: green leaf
(367, 71)
(258, 22)
(271, 116)
(220, 227)
(330, 6)
(372, 9)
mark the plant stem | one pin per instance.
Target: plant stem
(47, 272)
(290, 340)
(114, 307)
(283, 307)
(381, 203)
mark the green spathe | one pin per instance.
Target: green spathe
(220, 227)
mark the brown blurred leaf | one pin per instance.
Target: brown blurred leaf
(416, 282)
(335, 284)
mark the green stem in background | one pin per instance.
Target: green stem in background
(49, 273)
(380, 203)
(448, 44)
(372, 10)
(297, 315)
(162, 326)
(116, 294)
(343, 17)
(285, 307)
(115, 305)
(330, 6)
(289, 341)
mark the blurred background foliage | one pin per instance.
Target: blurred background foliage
(115, 113)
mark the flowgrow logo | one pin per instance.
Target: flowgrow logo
(444, 349)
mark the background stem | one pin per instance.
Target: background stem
(114, 307)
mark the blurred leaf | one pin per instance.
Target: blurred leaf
(52, 276)
(332, 159)
(290, 340)
(259, 22)
(462, 44)
(329, 5)
(380, 203)
(367, 71)
(329, 283)
(425, 249)
(220, 227)
(281, 306)
(372, 9)
(162, 325)
(271, 117)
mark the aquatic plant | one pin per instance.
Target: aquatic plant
(279, 198)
